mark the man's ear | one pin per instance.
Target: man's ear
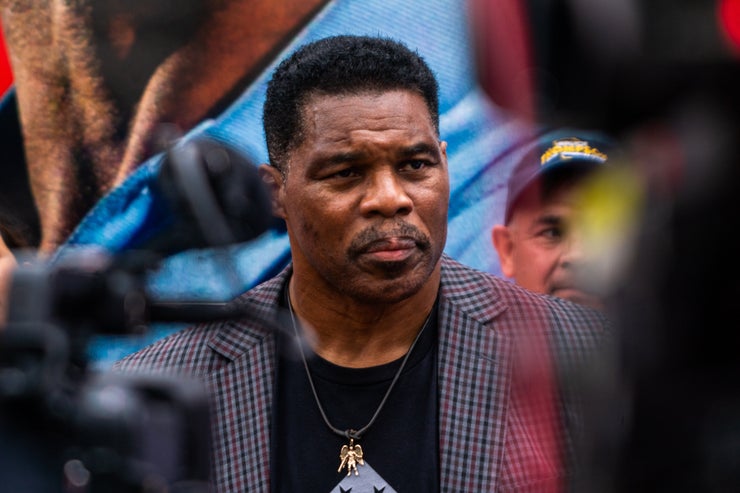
(501, 236)
(273, 178)
(443, 148)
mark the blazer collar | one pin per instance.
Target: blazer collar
(461, 288)
(263, 319)
(474, 373)
(244, 389)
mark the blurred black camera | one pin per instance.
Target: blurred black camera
(68, 428)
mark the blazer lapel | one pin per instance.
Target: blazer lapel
(474, 380)
(243, 394)
(243, 402)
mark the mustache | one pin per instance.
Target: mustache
(373, 234)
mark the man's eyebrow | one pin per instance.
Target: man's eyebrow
(420, 148)
(343, 157)
(354, 156)
(358, 156)
(550, 219)
(322, 161)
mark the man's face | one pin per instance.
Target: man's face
(365, 196)
(541, 247)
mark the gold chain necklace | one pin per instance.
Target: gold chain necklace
(351, 455)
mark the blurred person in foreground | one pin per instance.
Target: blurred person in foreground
(540, 244)
(416, 373)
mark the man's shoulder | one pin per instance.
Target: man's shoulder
(462, 282)
(202, 348)
(519, 306)
(455, 273)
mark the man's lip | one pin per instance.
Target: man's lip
(389, 245)
(576, 295)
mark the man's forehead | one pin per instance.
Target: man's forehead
(318, 103)
(337, 120)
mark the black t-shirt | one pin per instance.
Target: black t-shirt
(400, 449)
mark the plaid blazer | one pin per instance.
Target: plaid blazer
(493, 435)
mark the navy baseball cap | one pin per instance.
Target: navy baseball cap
(555, 151)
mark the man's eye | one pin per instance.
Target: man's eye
(552, 233)
(345, 173)
(415, 165)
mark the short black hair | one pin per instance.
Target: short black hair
(339, 65)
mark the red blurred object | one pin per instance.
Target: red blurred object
(729, 19)
(6, 75)
(504, 58)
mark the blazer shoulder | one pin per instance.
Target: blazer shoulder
(205, 347)
(473, 291)
(518, 310)
(175, 353)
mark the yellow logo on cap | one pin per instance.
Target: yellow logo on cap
(570, 148)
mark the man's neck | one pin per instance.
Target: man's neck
(357, 334)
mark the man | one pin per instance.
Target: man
(99, 84)
(539, 245)
(409, 378)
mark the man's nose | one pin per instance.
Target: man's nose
(386, 195)
(573, 248)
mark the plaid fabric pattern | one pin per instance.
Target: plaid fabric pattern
(505, 356)
(500, 406)
(236, 360)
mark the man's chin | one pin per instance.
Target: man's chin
(390, 282)
(579, 297)
(389, 290)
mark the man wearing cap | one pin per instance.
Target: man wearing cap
(539, 244)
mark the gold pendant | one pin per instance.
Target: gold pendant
(350, 456)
